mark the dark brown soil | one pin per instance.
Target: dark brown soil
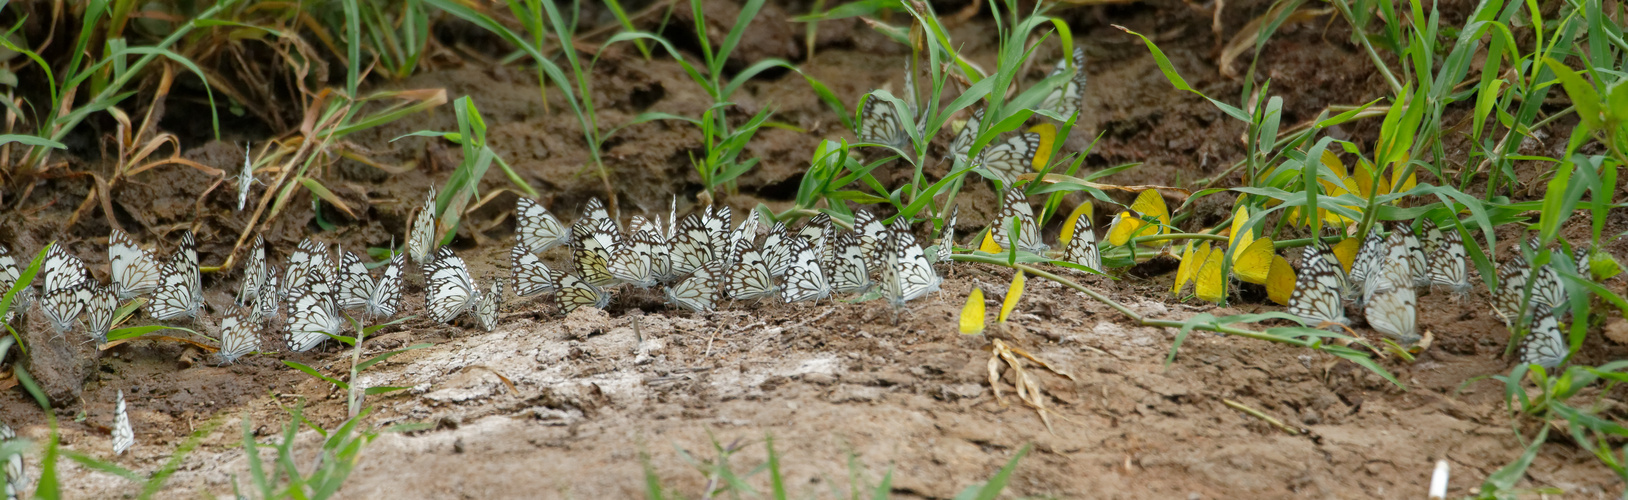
(596, 391)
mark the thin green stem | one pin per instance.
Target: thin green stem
(1345, 10)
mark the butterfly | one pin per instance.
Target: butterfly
(308, 265)
(63, 305)
(721, 239)
(537, 230)
(421, 241)
(962, 145)
(245, 178)
(945, 247)
(1547, 290)
(1447, 259)
(1065, 100)
(99, 307)
(1507, 299)
(1006, 161)
(1544, 345)
(15, 481)
(591, 248)
(239, 335)
(62, 269)
(357, 290)
(1082, 249)
(9, 275)
(1028, 237)
(777, 250)
(123, 436)
(847, 270)
(486, 306)
(815, 231)
(572, 292)
(1317, 289)
(254, 273)
(1389, 300)
(879, 123)
(872, 235)
(1418, 260)
(1580, 258)
(633, 262)
(450, 289)
(1362, 266)
(699, 291)
(915, 276)
(594, 211)
(747, 232)
(691, 244)
(265, 304)
(749, 278)
(531, 276)
(804, 280)
(312, 315)
(179, 296)
(135, 271)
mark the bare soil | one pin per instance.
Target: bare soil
(569, 407)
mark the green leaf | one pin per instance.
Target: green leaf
(30, 140)
(131, 332)
(371, 391)
(313, 372)
(1582, 94)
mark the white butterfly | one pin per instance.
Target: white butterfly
(1367, 256)
(1028, 237)
(537, 229)
(312, 315)
(804, 280)
(594, 211)
(487, 305)
(309, 264)
(632, 262)
(654, 240)
(591, 247)
(747, 232)
(1390, 303)
(63, 305)
(135, 271)
(1447, 259)
(123, 436)
(245, 178)
(872, 236)
(1065, 100)
(450, 290)
(698, 292)
(62, 269)
(777, 250)
(879, 123)
(180, 295)
(421, 241)
(265, 305)
(239, 335)
(1418, 260)
(1007, 160)
(99, 307)
(691, 244)
(357, 290)
(945, 247)
(848, 270)
(915, 275)
(1507, 299)
(749, 278)
(254, 273)
(1082, 249)
(9, 274)
(15, 480)
(531, 276)
(962, 145)
(721, 239)
(1544, 345)
(1317, 289)
(815, 231)
(571, 292)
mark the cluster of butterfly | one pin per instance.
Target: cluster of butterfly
(69, 292)
(879, 123)
(1390, 269)
(699, 259)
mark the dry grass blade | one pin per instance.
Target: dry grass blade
(1027, 383)
(1263, 416)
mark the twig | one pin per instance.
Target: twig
(1268, 418)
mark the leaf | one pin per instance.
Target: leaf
(313, 372)
(322, 191)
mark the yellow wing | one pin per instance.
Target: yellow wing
(1280, 282)
(1211, 285)
(1013, 293)
(1084, 210)
(972, 314)
(1241, 236)
(988, 245)
(1048, 133)
(1191, 260)
(1124, 226)
(1253, 264)
(1346, 252)
(1150, 203)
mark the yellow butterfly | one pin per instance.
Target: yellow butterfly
(1190, 261)
(1211, 285)
(1280, 283)
(1252, 264)
(1148, 204)
(1013, 294)
(972, 314)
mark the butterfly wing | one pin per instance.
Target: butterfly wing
(62, 306)
(1316, 296)
(451, 290)
(536, 229)
(872, 236)
(572, 292)
(421, 240)
(914, 274)
(1006, 161)
(777, 250)
(386, 296)
(355, 284)
(962, 145)
(1028, 237)
(99, 307)
(123, 436)
(879, 123)
(632, 262)
(1544, 345)
(531, 276)
(1082, 249)
(135, 271)
(804, 278)
(487, 306)
(239, 335)
(312, 315)
(254, 273)
(698, 292)
(749, 278)
(848, 270)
